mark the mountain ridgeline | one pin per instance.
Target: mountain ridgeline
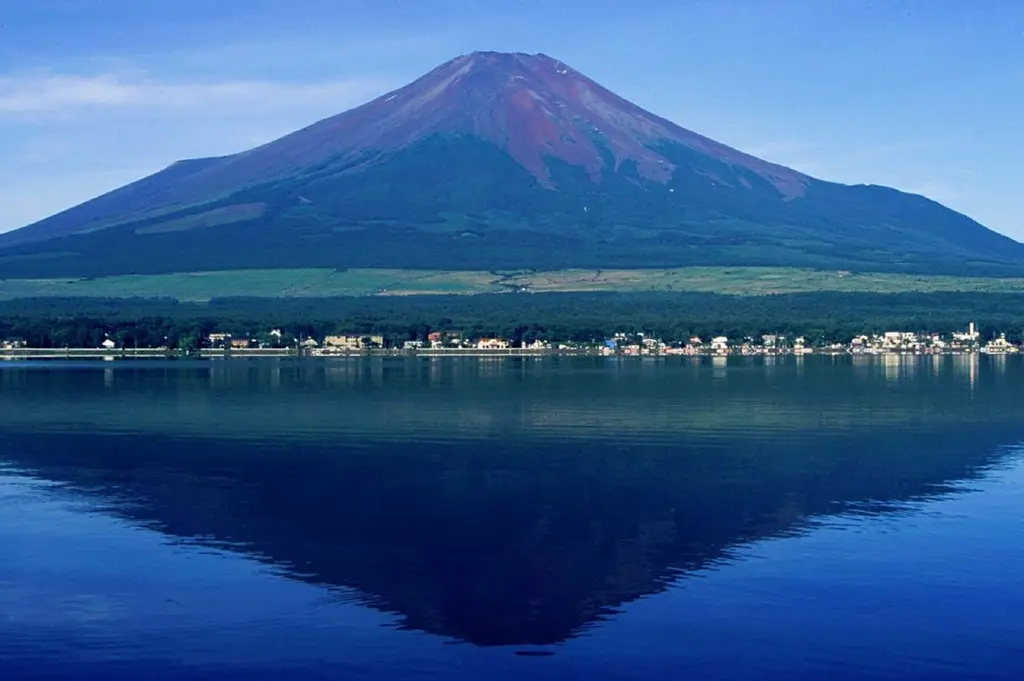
(499, 161)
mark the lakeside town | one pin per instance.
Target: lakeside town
(274, 342)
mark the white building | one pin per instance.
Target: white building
(971, 336)
(999, 346)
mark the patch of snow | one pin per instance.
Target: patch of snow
(562, 71)
(390, 98)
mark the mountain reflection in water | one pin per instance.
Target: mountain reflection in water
(504, 502)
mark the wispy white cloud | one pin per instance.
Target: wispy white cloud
(36, 94)
(72, 136)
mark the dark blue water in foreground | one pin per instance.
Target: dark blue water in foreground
(504, 519)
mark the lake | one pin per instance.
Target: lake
(543, 518)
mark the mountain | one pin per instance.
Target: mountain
(495, 161)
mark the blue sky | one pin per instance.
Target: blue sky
(922, 95)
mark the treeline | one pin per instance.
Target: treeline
(85, 322)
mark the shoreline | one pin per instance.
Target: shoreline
(212, 354)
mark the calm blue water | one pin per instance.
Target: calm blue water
(503, 519)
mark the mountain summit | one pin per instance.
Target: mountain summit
(497, 160)
(534, 108)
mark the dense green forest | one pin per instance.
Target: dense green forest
(85, 322)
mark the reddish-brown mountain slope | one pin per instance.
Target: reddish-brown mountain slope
(531, 106)
(497, 160)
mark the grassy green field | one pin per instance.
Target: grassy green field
(199, 286)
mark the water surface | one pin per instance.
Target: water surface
(841, 518)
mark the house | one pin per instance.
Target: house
(342, 342)
(652, 345)
(412, 345)
(109, 344)
(720, 344)
(435, 339)
(219, 340)
(450, 339)
(13, 344)
(350, 342)
(971, 336)
(239, 343)
(492, 344)
(1000, 346)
